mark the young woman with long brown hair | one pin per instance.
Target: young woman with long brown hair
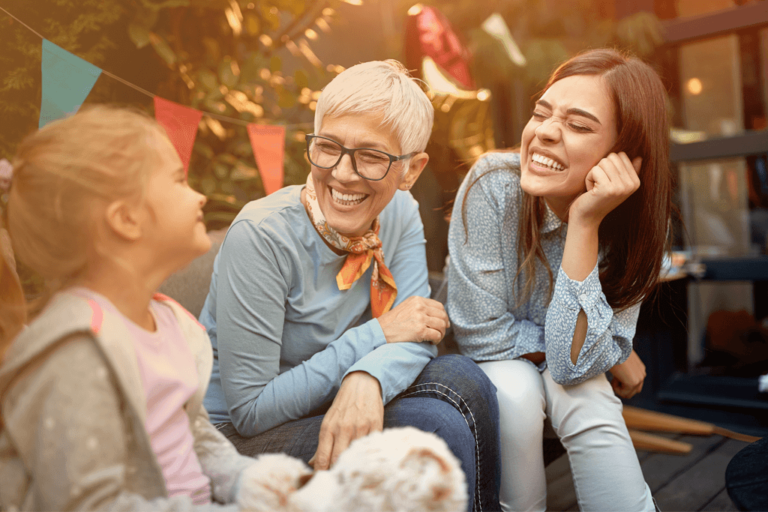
(553, 249)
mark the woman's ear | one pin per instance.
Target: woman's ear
(417, 164)
(124, 220)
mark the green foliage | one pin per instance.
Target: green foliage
(81, 26)
(247, 60)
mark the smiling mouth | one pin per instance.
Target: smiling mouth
(543, 161)
(347, 199)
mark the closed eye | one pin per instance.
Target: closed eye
(580, 128)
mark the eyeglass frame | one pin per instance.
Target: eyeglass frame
(351, 152)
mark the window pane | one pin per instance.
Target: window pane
(714, 203)
(710, 76)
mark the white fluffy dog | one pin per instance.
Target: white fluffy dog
(397, 470)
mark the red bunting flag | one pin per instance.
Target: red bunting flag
(180, 123)
(268, 143)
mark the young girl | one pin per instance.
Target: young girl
(552, 251)
(102, 393)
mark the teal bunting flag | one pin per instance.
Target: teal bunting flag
(67, 80)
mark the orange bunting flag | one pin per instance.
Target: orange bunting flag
(180, 123)
(268, 143)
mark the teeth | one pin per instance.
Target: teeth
(548, 162)
(347, 198)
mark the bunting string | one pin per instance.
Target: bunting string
(68, 79)
(145, 92)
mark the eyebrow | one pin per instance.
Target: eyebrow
(366, 144)
(572, 111)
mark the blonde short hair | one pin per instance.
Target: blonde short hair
(383, 86)
(64, 171)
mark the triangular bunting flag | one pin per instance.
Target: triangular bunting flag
(268, 143)
(180, 123)
(67, 80)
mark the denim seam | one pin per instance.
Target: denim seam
(474, 431)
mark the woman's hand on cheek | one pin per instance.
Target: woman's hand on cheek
(357, 410)
(609, 184)
(415, 319)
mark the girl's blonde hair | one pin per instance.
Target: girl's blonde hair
(63, 173)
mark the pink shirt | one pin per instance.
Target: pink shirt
(169, 377)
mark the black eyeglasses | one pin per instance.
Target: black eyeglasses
(368, 163)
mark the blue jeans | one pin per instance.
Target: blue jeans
(452, 398)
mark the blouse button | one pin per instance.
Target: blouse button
(583, 297)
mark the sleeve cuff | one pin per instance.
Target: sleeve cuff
(578, 295)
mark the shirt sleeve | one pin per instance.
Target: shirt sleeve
(479, 283)
(254, 277)
(609, 333)
(397, 365)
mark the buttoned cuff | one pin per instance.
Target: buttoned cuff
(579, 294)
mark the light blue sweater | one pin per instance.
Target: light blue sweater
(488, 323)
(283, 334)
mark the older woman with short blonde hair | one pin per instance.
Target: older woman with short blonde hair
(318, 308)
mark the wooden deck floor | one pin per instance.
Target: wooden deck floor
(693, 482)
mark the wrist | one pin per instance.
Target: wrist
(580, 221)
(363, 379)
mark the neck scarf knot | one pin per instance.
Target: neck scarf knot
(363, 250)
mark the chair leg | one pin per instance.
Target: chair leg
(645, 441)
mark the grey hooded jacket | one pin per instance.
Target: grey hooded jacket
(72, 435)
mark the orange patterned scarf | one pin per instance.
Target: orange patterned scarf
(362, 250)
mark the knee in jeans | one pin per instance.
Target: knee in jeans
(466, 378)
(447, 422)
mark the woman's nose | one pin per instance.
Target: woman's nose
(549, 130)
(344, 171)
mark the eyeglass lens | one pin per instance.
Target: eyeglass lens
(370, 163)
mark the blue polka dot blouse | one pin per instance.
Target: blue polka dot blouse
(482, 291)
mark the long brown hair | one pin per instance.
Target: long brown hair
(633, 237)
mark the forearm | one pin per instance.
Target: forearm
(579, 258)
(395, 365)
(218, 459)
(259, 399)
(607, 341)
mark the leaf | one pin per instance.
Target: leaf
(226, 75)
(204, 150)
(243, 172)
(162, 49)
(286, 99)
(221, 171)
(208, 79)
(302, 80)
(271, 15)
(228, 159)
(139, 35)
(275, 64)
(252, 25)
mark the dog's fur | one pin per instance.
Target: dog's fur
(397, 470)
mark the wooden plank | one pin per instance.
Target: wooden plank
(691, 28)
(700, 484)
(721, 503)
(659, 468)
